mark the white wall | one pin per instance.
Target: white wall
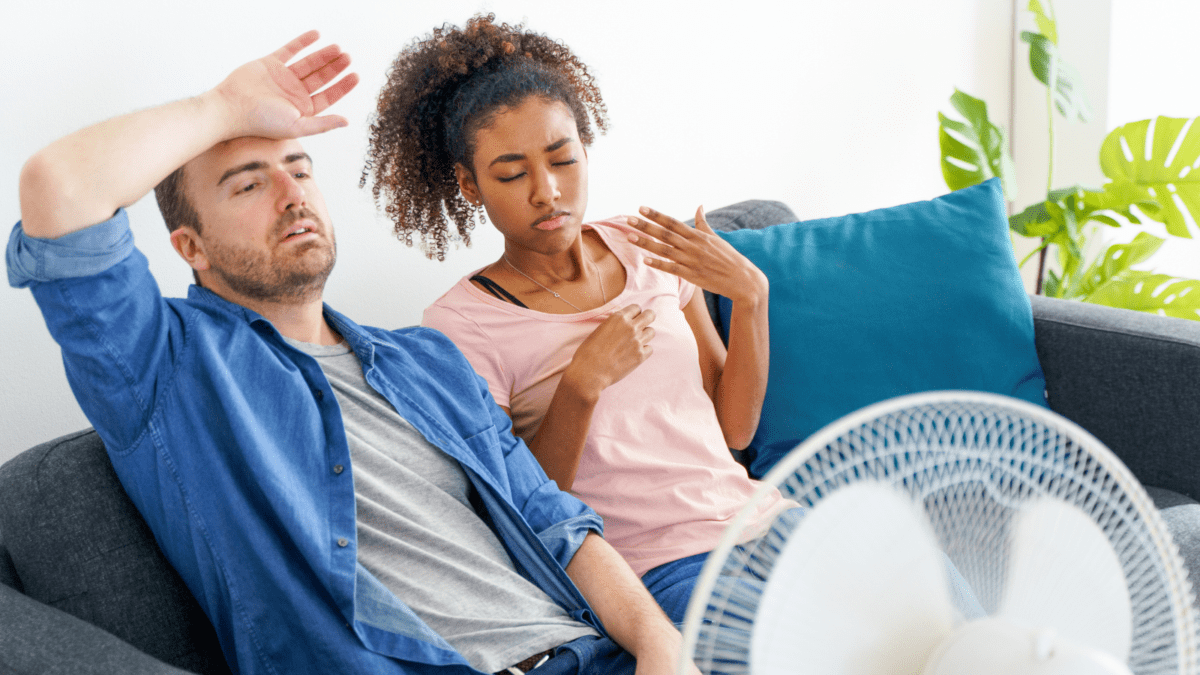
(830, 107)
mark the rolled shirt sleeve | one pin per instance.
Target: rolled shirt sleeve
(558, 518)
(79, 254)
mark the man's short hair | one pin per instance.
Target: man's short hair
(176, 210)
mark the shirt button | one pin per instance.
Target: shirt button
(338, 468)
(343, 542)
(320, 395)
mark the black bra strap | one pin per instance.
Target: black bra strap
(495, 289)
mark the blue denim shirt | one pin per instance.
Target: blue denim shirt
(230, 443)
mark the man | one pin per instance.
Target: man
(338, 498)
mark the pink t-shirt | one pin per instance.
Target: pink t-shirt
(655, 465)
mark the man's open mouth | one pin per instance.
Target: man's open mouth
(305, 229)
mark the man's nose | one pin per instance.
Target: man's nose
(291, 192)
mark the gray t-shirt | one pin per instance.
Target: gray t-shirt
(419, 535)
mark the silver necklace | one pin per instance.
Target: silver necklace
(599, 277)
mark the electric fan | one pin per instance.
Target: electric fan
(948, 533)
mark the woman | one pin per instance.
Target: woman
(592, 337)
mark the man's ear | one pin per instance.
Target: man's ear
(467, 184)
(190, 247)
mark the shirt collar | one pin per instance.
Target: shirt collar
(360, 340)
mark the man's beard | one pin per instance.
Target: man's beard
(258, 275)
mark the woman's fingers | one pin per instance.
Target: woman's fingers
(664, 227)
(702, 221)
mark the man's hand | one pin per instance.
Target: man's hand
(269, 98)
(81, 179)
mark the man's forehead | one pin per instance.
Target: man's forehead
(227, 155)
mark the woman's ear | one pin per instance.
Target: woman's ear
(467, 184)
(190, 247)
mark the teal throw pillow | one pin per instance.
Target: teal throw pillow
(864, 307)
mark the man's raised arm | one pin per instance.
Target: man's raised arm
(83, 178)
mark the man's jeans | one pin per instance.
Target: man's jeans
(588, 655)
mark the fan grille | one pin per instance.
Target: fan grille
(972, 460)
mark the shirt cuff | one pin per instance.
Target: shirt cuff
(564, 539)
(78, 254)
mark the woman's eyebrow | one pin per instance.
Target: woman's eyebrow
(516, 157)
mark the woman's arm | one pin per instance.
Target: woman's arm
(736, 379)
(617, 346)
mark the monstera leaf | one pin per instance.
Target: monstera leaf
(1113, 265)
(1046, 25)
(1045, 61)
(1153, 165)
(974, 151)
(1058, 219)
(1149, 292)
(1155, 160)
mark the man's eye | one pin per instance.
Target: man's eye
(248, 187)
(300, 174)
(566, 163)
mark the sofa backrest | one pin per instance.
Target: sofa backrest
(74, 541)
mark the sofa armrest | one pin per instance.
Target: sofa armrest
(37, 638)
(1132, 380)
(76, 544)
(8, 571)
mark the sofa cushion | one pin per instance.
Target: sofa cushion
(78, 544)
(1182, 515)
(869, 306)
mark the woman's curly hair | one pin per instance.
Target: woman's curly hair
(442, 89)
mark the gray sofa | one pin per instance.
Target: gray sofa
(84, 589)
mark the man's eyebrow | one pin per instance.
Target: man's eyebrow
(249, 166)
(516, 157)
(256, 165)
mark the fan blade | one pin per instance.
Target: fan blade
(998, 647)
(859, 589)
(1063, 574)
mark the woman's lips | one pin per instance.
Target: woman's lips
(552, 223)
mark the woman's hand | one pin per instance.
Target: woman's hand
(699, 256)
(617, 346)
(736, 378)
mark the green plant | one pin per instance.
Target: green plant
(1148, 165)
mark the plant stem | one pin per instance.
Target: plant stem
(1051, 86)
